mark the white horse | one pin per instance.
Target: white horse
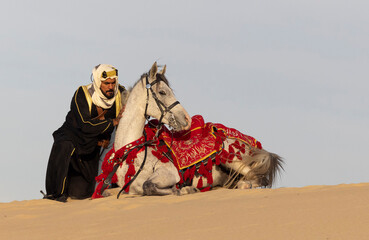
(152, 96)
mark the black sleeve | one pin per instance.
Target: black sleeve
(79, 107)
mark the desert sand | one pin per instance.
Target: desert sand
(312, 212)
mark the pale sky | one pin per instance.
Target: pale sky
(292, 74)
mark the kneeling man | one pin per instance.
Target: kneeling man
(94, 112)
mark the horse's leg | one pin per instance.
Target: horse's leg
(162, 181)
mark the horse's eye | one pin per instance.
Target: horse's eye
(163, 93)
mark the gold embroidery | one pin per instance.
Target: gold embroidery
(106, 127)
(64, 183)
(75, 100)
(88, 98)
(118, 103)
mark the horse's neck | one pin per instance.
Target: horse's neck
(132, 123)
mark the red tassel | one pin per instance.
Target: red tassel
(209, 166)
(224, 156)
(132, 155)
(97, 191)
(119, 154)
(202, 169)
(199, 184)
(243, 147)
(159, 155)
(210, 179)
(131, 170)
(164, 159)
(192, 172)
(156, 154)
(99, 178)
(217, 159)
(231, 153)
(238, 155)
(236, 144)
(108, 154)
(230, 149)
(186, 174)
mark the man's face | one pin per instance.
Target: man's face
(107, 87)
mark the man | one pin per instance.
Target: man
(74, 158)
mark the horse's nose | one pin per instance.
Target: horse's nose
(188, 122)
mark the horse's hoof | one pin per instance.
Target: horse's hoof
(177, 192)
(189, 190)
(244, 185)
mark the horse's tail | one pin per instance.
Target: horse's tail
(264, 166)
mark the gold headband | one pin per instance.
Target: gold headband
(112, 73)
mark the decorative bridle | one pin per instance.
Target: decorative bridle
(163, 109)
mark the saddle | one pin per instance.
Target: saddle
(194, 145)
(201, 141)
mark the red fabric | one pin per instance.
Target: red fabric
(217, 159)
(188, 149)
(192, 146)
(203, 140)
(205, 189)
(199, 183)
(159, 151)
(108, 165)
(209, 175)
(224, 156)
(97, 194)
(233, 133)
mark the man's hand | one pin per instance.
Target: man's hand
(103, 143)
(116, 120)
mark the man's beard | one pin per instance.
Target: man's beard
(107, 95)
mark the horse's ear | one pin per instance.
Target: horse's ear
(162, 72)
(154, 70)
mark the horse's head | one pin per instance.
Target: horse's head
(162, 104)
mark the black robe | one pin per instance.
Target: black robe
(74, 157)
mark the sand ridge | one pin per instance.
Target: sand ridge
(312, 212)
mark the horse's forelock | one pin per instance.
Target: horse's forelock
(162, 77)
(159, 76)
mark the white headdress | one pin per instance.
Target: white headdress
(101, 73)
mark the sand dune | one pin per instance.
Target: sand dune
(313, 212)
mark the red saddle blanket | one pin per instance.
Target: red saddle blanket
(201, 141)
(188, 148)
